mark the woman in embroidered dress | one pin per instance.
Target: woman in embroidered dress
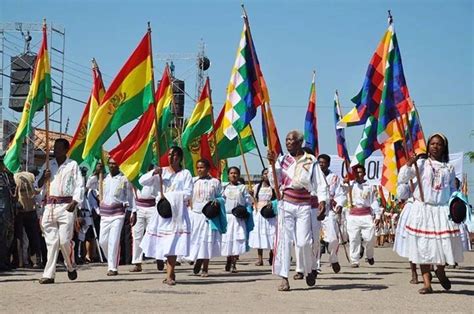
(431, 237)
(263, 234)
(205, 242)
(234, 241)
(168, 238)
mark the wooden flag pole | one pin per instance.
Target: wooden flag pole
(264, 108)
(46, 126)
(351, 203)
(258, 148)
(215, 160)
(157, 137)
(245, 162)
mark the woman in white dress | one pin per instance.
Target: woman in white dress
(205, 242)
(263, 234)
(234, 241)
(167, 238)
(431, 237)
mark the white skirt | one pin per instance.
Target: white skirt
(163, 239)
(263, 234)
(234, 240)
(431, 237)
(399, 246)
(205, 243)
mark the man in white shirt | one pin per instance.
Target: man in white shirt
(117, 199)
(63, 192)
(145, 205)
(360, 221)
(298, 175)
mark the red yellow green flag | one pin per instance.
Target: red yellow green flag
(128, 97)
(164, 114)
(79, 139)
(199, 124)
(39, 95)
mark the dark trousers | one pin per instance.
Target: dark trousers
(28, 221)
(126, 242)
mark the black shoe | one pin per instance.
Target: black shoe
(197, 266)
(228, 264)
(311, 279)
(178, 263)
(336, 267)
(443, 280)
(72, 275)
(45, 281)
(160, 264)
(371, 261)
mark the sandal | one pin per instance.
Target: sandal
(284, 286)
(298, 276)
(204, 274)
(443, 280)
(169, 282)
(259, 263)
(414, 281)
(425, 291)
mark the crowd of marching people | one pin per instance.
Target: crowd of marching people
(176, 218)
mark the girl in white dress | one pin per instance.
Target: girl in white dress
(431, 237)
(263, 234)
(205, 242)
(234, 241)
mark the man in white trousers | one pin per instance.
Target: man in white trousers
(63, 185)
(360, 221)
(117, 198)
(337, 198)
(145, 204)
(297, 174)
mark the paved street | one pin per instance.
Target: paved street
(380, 288)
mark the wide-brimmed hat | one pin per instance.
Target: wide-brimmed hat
(240, 212)
(211, 209)
(164, 208)
(267, 211)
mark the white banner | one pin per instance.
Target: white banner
(373, 166)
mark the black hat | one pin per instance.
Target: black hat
(164, 208)
(240, 212)
(267, 211)
(457, 210)
(211, 209)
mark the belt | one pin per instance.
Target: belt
(360, 211)
(145, 202)
(58, 199)
(112, 210)
(300, 197)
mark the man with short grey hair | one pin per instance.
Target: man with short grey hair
(298, 175)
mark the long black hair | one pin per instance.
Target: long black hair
(259, 186)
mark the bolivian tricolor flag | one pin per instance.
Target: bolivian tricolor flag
(135, 153)
(39, 95)
(79, 139)
(195, 140)
(164, 114)
(129, 95)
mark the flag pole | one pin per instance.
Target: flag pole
(264, 108)
(258, 148)
(215, 160)
(95, 67)
(245, 161)
(157, 137)
(346, 162)
(46, 126)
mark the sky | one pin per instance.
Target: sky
(292, 38)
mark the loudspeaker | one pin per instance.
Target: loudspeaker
(21, 76)
(178, 91)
